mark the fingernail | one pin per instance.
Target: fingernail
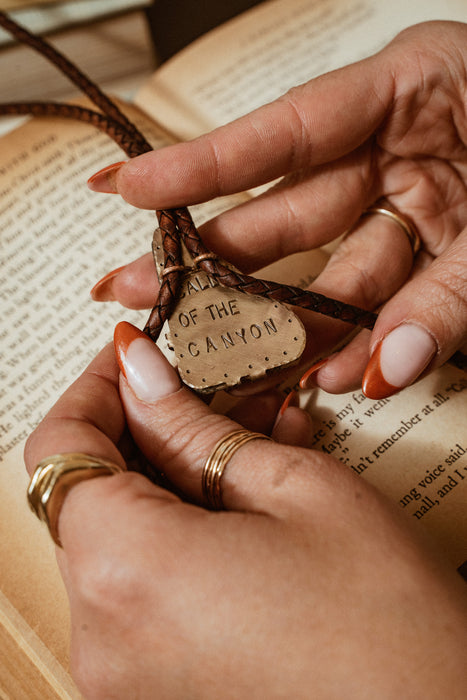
(290, 400)
(104, 180)
(398, 360)
(102, 290)
(145, 368)
(308, 379)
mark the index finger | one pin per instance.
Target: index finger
(311, 124)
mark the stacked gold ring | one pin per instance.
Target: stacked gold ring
(217, 461)
(54, 476)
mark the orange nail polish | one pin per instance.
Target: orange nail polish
(290, 400)
(148, 373)
(102, 290)
(104, 180)
(307, 382)
(374, 385)
(124, 334)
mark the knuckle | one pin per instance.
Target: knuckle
(454, 279)
(357, 284)
(217, 166)
(186, 433)
(294, 219)
(108, 586)
(301, 147)
(297, 478)
(448, 295)
(308, 485)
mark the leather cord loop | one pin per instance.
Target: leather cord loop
(176, 224)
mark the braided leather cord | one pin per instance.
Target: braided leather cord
(286, 294)
(118, 132)
(76, 76)
(175, 224)
(272, 290)
(117, 126)
(170, 282)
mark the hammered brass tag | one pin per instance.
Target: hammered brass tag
(222, 337)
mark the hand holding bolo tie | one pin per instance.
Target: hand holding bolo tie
(171, 598)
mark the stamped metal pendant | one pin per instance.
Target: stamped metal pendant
(222, 337)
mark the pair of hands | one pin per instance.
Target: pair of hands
(393, 126)
(311, 584)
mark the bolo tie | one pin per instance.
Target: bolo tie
(208, 304)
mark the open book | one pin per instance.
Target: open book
(57, 239)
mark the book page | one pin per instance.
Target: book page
(412, 447)
(57, 239)
(55, 242)
(259, 55)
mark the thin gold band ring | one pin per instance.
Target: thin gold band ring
(217, 461)
(405, 224)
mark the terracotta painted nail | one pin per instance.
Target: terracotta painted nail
(145, 368)
(102, 290)
(374, 386)
(290, 400)
(398, 360)
(307, 381)
(104, 180)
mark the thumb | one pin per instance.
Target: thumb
(422, 326)
(174, 428)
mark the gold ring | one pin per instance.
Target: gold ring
(217, 461)
(406, 225)
(52, 479)
(173, 268)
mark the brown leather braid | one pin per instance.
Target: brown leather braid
(175, 224)
(272, 290)
(76, 76)
(170, 282)
(115, 124)
(111, 127)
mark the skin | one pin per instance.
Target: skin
(310, 584)
(335, 159)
